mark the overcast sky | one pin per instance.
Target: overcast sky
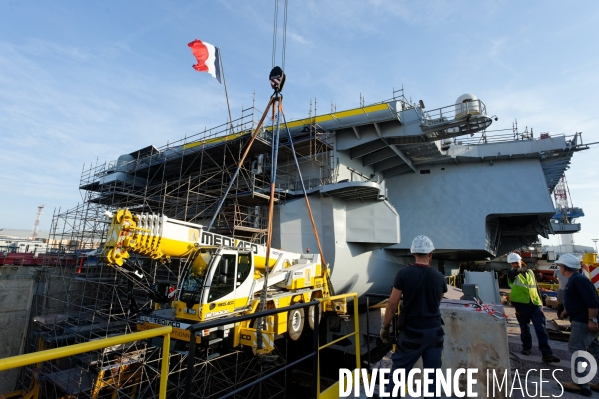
(87, 81)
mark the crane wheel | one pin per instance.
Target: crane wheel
(295, 324)
(311, 316)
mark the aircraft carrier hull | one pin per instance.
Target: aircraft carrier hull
(376, 177)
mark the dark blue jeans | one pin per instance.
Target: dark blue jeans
(525, 313)
(414, 344)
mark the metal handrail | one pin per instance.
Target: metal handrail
(194, 329)
(448, 113)
(76, 349)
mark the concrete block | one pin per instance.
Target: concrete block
(475, 339)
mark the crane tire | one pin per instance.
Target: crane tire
(295, 324)
(311, 316)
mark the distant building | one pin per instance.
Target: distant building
(17, 233)
(15, 244)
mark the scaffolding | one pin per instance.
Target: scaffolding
(80, 298)
(185, 179)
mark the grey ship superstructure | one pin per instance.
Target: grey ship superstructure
(377, 175)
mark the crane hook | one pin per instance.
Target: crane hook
(277, 79)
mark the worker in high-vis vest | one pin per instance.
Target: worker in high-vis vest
(525, 298)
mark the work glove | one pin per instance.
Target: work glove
(522, 270)
(384, 334)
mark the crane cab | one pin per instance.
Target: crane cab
(221, 286)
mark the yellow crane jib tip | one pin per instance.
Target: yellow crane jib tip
(121, 237)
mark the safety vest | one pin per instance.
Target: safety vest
(524, 289)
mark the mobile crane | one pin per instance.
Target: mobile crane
(222, 277)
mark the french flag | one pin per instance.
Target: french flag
(208, 58)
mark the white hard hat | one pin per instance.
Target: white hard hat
(569, 260)
(513, 258)
(422, 245)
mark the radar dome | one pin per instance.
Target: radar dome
(466, 104)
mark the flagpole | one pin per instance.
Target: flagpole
(225, 84)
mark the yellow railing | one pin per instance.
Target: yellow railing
(452, 280)
(333, 391)
(549, 286)
(71, 350)
(76, 349)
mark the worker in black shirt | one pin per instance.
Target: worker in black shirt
(581, 303)
(422, 288)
